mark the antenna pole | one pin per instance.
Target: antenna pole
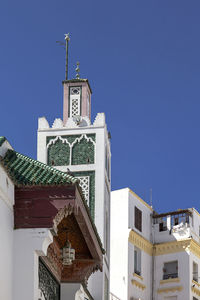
(151, 198)
(67, 39)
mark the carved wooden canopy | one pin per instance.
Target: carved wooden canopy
(62, 210)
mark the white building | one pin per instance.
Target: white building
(153, 256)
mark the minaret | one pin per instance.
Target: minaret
(77, 98)
(77, 145)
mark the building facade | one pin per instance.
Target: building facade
(158, 255)
(49, 243)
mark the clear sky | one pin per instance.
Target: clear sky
(142, 58)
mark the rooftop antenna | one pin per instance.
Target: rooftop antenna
(66, 46)
(151, 204)
(77, 70)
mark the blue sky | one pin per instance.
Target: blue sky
(142, 59)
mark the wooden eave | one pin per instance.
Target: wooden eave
(38, 206)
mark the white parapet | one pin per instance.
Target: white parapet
(43, 123)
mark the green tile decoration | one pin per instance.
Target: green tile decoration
(58, 154)
(91, 174)
(83, 152)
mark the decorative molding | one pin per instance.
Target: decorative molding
(170, 289)
(164, 248)
(138, 284)
(140, 242)
(141, 200)
(62, 213)
(70, 123)
(172, 247)
(196, 283)
(85, 186)
(99, 120)
(54, 140)
(138, 276)
(195, 290)
(169, 280)
(65, 156)
(43, 123)
(195, 248)
(58, 123)
(91, 175)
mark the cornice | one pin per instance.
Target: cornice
(172, 247)
(138, 284)
(140, 242)
(189, 245)
(140, 199)
(170, 289)
(195, 290)
(138, 276)
(196, 283)
(169, 280)
(195, 248)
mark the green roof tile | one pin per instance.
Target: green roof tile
(27, 171)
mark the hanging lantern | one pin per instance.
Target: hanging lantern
(68, 254)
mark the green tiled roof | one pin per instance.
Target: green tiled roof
(26, 171)
(2, 140)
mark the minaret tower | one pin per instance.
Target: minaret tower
(78, 146)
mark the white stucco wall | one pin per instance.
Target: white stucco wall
(135, 200)
(119, 243)
(26, 243)
(183, 259)
(6, 235)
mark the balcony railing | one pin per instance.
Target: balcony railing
(170, 275)
(137, 272)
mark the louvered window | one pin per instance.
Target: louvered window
(138, 219)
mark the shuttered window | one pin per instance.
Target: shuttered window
(138, 219)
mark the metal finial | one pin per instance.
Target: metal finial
(77, 70)
(67, 39)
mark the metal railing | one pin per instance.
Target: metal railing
(170, 275)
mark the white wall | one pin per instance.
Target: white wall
(146, 259)
(183, 259)
(6, 235)
(26, 242)
(119, 244)
(135, 200)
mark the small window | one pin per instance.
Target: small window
(195, 271)
(170, 270)
(137, 261)
(138, 219)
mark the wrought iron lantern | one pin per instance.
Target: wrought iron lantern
(68, 254)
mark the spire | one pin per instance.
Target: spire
(67, 39)
(77, 70)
